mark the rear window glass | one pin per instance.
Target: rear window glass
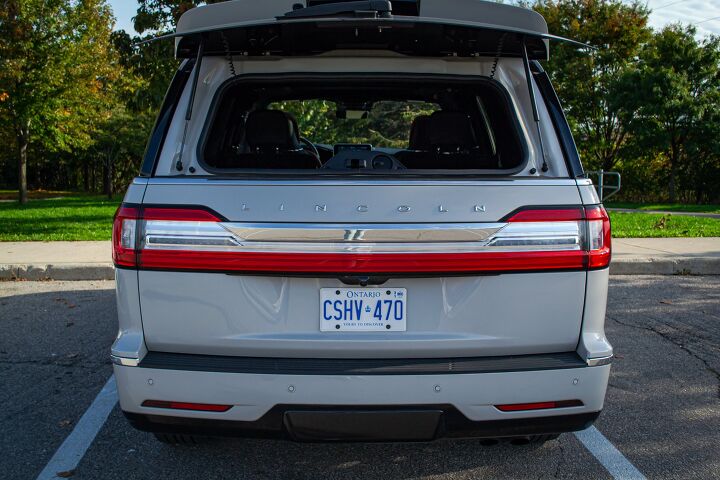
(361, 126)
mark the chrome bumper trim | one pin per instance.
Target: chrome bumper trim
(125, 362)
(596, 362)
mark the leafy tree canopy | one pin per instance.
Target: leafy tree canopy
(56, 71)
(162, 15)
(670, 98)
(583, 78)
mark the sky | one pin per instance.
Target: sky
(704, 14)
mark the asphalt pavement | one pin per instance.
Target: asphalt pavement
(662, 410)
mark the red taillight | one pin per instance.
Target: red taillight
(362, 263)
(129, 222)
(176, 238)
(178, 215)
(599, 237)
(124, 236)
(521, 407)
(597, 224)
(548, 215)
(200, 407)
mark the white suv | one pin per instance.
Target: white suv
(361, 221)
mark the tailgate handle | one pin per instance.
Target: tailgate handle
(363, 280)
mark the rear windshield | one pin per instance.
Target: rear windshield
(385, 123)
(362, 126)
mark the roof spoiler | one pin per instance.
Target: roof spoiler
(312, 36)
(430, 28)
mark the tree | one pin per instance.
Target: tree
(670, 100)
(703, 153)
(56, 68)
(119, 146)
(153, 64)
(584, 79)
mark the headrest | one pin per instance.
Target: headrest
(418, 133)
(271, 129)
(448, 131)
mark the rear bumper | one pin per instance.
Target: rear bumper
(448, 404)
(409, 423)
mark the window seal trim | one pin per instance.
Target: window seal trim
(395, 77)
(164, 119)
(559, 121)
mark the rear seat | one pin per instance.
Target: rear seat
(271, 141)
(445, 139)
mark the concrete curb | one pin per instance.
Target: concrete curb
(666, 266)
(70, 271)
(619, 266)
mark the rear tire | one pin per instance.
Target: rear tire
(534, 440)
(177, 439)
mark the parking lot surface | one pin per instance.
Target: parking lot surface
(662, 410)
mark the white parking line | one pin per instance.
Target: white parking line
(73, 449)
(609, 456)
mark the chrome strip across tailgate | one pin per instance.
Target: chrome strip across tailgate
(358, 233)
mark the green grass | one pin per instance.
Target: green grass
(666, 207)
(646, 225)
(77, 217)
(89, 217)
(36, 194)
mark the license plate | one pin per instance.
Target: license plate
(363, 309)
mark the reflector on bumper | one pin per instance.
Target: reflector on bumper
(522, 407)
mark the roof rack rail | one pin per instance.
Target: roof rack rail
(355, 9)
